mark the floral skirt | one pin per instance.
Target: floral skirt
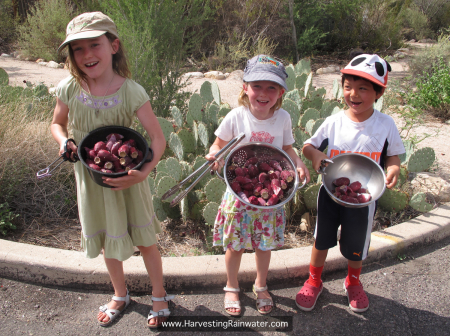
(239, 226)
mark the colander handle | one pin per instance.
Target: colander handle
(301, 186)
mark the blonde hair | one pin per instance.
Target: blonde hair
(119, 62)
(244, 101)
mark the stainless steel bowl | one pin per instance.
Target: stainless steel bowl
(264, 152)
(356, 167)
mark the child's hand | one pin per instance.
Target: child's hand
(120, 183)
(218, 165)
(317, 160)
(392, 176)
(72, 149)
(303, 172)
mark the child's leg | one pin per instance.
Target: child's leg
(115, 270)
(153, 264)
(262, 268)
(232, 263)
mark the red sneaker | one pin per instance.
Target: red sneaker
(307, 296)
(357, 298)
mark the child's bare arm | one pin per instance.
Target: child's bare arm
(301, 168)
(215, 147)
(393, 170)
(58, 127)
(314, 155)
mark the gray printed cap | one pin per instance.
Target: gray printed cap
(265, 68)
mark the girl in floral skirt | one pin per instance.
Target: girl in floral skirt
(238, 226)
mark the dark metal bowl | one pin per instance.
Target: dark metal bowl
(356, 167)
(100, 134)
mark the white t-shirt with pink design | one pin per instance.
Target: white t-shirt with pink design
(276, 130)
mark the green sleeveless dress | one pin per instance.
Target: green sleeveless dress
(114, 220)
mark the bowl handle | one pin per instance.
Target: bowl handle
(301, 186)
(149, 157)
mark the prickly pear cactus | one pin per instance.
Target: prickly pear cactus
(4, 78)
(378, 105)
(421, 160)
(300, 81)
(164, 184)
(216, 93)
(223, 111)
(176, 145)
(215, 189)
(393, 200)
(203, 135)
(197, 210)
(210, 212)
(177, 116)
(310, 196)
(195, 106)
(409, 149)
(206, 93)
(300, 137)
(290, 81)
(188, 140)
(308, 84)
(158, 208)
(419, 202)
(171, 212)
(308, 115)
(151, 183)
(174, 168)
(291, 107)
(309, 126)
(294, 95)
(303, 67)
(316, 125)
(336, 89)
(166, 126)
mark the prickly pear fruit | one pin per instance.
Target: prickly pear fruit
(258, 188)
(363, 191)
(115, 148)
(243, 196)
(111, 142)
(104, 155)
(272, 200)
(275, 165)
(133, 152)
(248, 186)
(239, 171)
(139, 157)
(108, 165)
(106, 171)
(247, 193)
(264, 167)
(276, 186)
(261, 201)
(287, 175)
(99, 145)
(253, 200)
(363, 198)
(242, 180)
(251, 161)
(355, 186)
(236, 187)
(130, 142)
(274, 175)
(283, 184)
(264, 193)
(341, 181)
(125, 161)
(94, 166)
(130, 166)
(117, 136)
(252, 170)
(124, 150)
(343, 189)
(91, 154)
(263, 177)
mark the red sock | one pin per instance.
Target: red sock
(353, 276)
(314, 276)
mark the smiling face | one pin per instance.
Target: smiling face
(94, 56)
(262, 96)
(360, 96)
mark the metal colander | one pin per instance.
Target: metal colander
(264, 152)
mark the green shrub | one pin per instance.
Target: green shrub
(6, 219)
(45, 29)
(7, 24)
(157, 36)
(427, 58)
(433, 90)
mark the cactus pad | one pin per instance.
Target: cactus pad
(151, 183)
(309, 114)
(319, 93)
(294, 95)
(186, 169)
(213, 112)
(316, 126)
(195, 106)
(177, 116)
(419, 202)
(210, 212)
(216, 93)
(300, 81)
(308, 84)
(409, 149)
(310, 196)
(327, 108)
(378, 105)
(300, 137)
(197, 210)
(303, 67)
(223, 111)
(4, 78)
(164, 184)
(393, 200)
(176, 146)
(309, 125)
(336, 110)
(203, 134)
(316, 103)
(158, 208)
(174, 168)
(166, 126)
(214, 190)
(206, 93)
(171, 212)
(161, 166)
(188, 140)
(290, 80)
(421, 159)
(336, 87)
(293, 110)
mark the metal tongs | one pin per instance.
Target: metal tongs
(219, 155)
(64, 156)
(323, 165)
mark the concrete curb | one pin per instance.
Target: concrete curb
(55, 267)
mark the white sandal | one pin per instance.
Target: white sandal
(232, 304)
(262, 302)
(114, 313)
(161, 313)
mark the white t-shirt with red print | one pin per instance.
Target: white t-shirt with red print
(276, 130)
(375, 137)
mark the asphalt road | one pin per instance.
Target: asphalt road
(409, 295)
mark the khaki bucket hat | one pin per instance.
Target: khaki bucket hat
(88, 25)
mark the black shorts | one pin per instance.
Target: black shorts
(356, 227)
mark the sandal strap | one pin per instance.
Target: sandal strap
(264, 302)
(122, 298)
(230, 289)
(165, 298)
(259, 289)
(232, 304)
(161, 313)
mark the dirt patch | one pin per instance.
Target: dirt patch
(187, 239)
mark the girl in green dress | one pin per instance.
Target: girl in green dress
(99, 93)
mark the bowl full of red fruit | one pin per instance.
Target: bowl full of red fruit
(354, 180)
(112, 151)
(261, 175)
